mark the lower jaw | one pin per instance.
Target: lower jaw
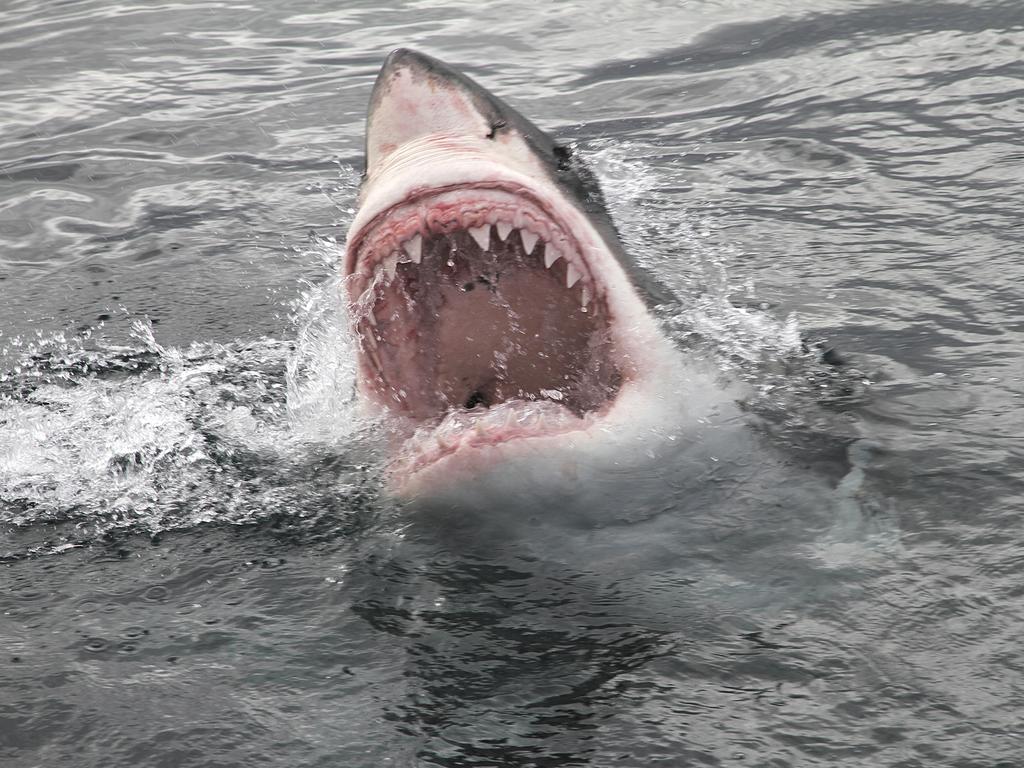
(432, 458)
(468, 443)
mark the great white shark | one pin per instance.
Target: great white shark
(499, 317)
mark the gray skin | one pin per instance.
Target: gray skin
(576, 181)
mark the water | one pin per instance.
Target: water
(198, 566)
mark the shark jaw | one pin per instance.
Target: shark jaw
(494, 315)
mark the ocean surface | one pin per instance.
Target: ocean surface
(197, 564)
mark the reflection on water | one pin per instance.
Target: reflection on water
(826, 573)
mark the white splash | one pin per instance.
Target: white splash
(683, 250)
(153, 438)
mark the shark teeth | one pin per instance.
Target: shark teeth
(390, 267)
(371, 352)
(414, 247)
(529, 239)
(572, 275)
(482, 235)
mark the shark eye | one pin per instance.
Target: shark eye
(564, 156)
(496, 126)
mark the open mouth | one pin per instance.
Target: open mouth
(477, 310)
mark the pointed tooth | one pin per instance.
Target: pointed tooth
(414, 247)
(504, 228)
(551, 255)
(390, 266)
(529, 239)
(482, 235)
(585, 297)
(375, 359)
(371, 319)
(572, 274)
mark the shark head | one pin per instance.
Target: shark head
(496, 310)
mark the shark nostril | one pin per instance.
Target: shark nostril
(496, 126)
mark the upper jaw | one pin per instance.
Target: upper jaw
(397, 234)
(424, 169)
(438, 163)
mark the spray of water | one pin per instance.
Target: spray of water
(718, 309)
(146, 437)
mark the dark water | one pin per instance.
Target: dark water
(197, 567)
